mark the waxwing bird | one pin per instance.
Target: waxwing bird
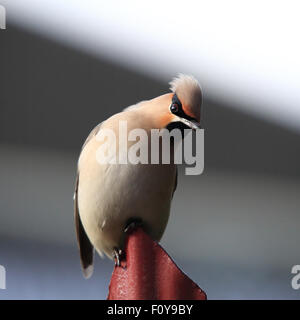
(109, 196)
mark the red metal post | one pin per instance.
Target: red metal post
(148, 272)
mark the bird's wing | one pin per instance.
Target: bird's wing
(86, 249)
(176, 181)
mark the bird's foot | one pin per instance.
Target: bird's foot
(132, 224)
(117, 256)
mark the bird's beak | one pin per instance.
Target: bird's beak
(192, 124)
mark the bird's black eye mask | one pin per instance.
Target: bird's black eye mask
(176, 108)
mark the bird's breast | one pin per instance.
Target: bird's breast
(110, 194)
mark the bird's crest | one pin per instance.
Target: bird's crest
(188, 91)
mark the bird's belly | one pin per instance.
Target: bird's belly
(115, 193)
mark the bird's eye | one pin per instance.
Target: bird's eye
(174, 108)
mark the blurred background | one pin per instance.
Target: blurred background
(67, 65)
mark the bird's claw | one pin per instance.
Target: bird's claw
(133, 224)
(118, 253)
(117, 256)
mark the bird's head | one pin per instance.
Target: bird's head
(179, 109)
(184, 109)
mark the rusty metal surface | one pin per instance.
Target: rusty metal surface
(148, 272)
